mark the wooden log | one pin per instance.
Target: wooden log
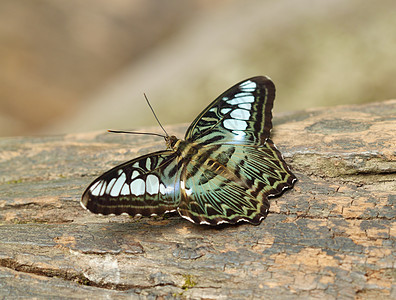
(332, 236)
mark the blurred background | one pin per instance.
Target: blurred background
(76, 66)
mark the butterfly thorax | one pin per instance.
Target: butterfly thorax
(206, 161)
(171, 141)
(183, 148)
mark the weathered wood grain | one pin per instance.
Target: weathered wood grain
(332, 236)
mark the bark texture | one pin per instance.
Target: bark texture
(332, 236)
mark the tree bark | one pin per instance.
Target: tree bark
(332, 236)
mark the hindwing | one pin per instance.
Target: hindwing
(233, 183)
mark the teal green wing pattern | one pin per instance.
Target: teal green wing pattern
(148, 185)
(233, 184)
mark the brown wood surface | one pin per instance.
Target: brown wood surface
(331, 237)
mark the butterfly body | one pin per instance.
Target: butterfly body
(222, 172)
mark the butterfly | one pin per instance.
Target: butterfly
(223, 171)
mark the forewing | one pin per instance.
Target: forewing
(233, 183)
(241, 115)
(147, 185)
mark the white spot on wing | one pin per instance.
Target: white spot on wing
(110, 185)
(204, 222)
(242, 220)
(95, 185)
(232, 124)
(248, 86)
(138, 187)
(240, 100)
(162, 189)
(225, 111)
(152, 184)
(241, 114)
(116, 189)
(185, 217)
(125, 190)
(148, 163)
(242, 95)
(222, 222)
(102, 190)
(247, 106)
(134, 174)
(95, 189)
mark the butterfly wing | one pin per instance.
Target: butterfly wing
(242, 115)
(147, 185)
(232, 183)
(236, 166)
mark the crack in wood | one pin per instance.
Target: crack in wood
(79, 278)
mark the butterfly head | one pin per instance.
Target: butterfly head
(170, 141)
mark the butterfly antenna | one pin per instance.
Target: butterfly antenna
(135, 132)
(148, 102)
